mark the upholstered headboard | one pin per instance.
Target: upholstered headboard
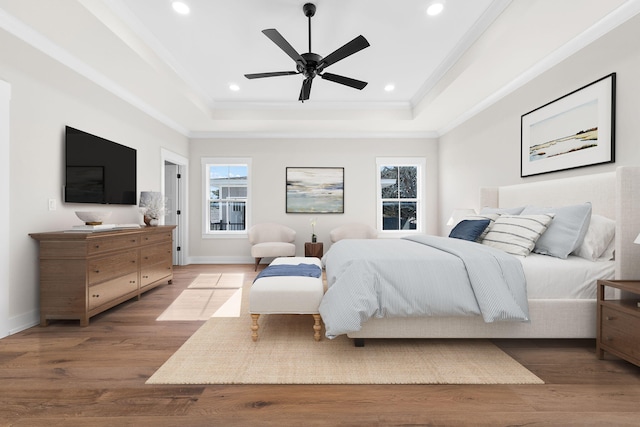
(615, 195)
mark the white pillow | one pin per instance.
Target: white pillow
(598, 238)
(517, 234)
(566, 232)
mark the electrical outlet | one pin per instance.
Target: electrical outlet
(52, 204)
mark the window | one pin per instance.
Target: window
(226, 199)
(400, 194)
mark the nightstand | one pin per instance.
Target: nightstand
(313, 249)
(619, 321)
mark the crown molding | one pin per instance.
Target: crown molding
(25, 33)
(614, 19)
(313, 135)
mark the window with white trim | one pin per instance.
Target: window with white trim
(400, 194)
(226, 183)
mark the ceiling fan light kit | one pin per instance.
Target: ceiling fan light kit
(311, 64)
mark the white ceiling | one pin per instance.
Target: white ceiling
(178, 68)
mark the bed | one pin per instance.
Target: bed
(563, 307)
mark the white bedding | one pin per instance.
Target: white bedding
(572, 278)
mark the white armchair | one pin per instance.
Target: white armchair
(271, 240)
(353, 230)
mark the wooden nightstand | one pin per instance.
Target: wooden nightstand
(619, 321)
(313, 249)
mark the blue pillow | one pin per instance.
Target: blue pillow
(567, 230)
(469, 229)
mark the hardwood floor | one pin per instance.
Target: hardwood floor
(67, 375)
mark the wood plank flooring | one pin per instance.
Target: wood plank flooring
(67, 375)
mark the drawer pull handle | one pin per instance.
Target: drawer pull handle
(97, 246)
(96, 295)
(609, 318)
(96, 271)
(608, 339)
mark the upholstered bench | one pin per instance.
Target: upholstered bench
(287, 294)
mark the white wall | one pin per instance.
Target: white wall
(270, 157)
(45, 97)
(5, 244)
(485, 151)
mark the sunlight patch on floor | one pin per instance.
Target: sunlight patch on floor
(209, 295)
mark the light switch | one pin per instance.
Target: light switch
(52, 204)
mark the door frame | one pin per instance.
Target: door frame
(182, 230)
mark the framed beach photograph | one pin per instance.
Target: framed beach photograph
(315, 190)
(573, 131)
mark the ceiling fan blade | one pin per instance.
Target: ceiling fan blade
(273, 74)
(357, 84)
(305, 91)
(355, 45)
(277, 38)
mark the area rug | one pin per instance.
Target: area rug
(222, 352)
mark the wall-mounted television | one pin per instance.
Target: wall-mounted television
(98, 170)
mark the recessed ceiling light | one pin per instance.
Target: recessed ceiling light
(435, 9)
(234, 87)
(390, 87)
(180, 7)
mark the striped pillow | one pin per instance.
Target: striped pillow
(517, 234)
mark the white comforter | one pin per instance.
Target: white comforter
(419, 276)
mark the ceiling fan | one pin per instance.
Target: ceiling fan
(311, 64)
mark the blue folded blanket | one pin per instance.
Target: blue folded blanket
(304, 270)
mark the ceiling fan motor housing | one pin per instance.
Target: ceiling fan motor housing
(311, 69)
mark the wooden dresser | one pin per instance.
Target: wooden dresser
(83, 274)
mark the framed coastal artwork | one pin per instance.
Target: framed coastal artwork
(573, 131)
(315, 190)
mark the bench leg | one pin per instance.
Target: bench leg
(316, 327)
(254, 326)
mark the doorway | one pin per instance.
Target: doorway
(174, 182)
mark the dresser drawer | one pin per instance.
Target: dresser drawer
(151, 238)
(153, 273)
(110, 290)
(97, 246)
(156, 254)
(621, 331)
(109, 267)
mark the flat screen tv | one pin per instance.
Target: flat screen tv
(98, 170)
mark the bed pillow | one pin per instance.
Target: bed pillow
(490, 216)
(469, 229)
(609, 254)
(503, 211)
(517, 234)
(566, 232)
(597, 239)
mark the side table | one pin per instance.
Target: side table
(313, 249)
(619, 321)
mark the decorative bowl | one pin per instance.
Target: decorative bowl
(93, 218)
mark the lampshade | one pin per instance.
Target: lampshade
(458, 214)
(150, 199)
